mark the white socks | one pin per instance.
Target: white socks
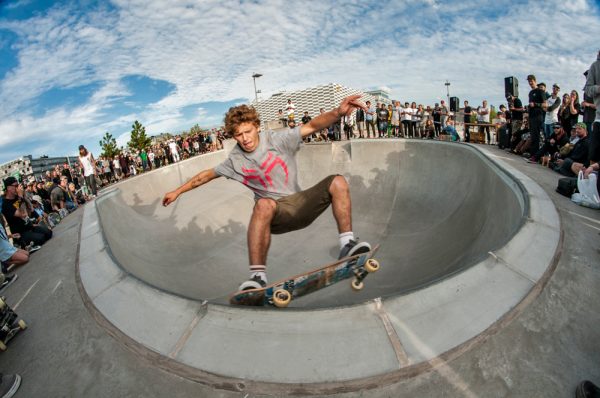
(259, 270)
(345, 237)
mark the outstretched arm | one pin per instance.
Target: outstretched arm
(326, 119)
(199, 179)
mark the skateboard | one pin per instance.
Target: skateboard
(9, 326)
(281, 293)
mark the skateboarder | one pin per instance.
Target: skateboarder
(266, 163)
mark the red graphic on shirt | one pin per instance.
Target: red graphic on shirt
(264, 174)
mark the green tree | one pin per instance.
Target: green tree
(108, 143)
(139, 140)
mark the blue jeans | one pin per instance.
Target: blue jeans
(548, 130)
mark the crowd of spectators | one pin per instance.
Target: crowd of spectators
(562, 133)
(397, 120)
(31, 208)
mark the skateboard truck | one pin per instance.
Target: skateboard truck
(357, 283)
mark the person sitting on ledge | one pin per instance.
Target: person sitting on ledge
(578, 158)
(451, 131)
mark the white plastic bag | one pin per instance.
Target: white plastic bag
(588, 191)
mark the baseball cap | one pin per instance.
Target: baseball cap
(556, 85)
(9, 181)
(582, 125)
(37, 198)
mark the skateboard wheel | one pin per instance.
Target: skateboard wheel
(281, 298)
(357, 285)
(22, 324)
(372, 265)
(2, 346)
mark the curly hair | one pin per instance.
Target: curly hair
(237, 115)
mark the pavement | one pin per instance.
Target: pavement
(544, 349)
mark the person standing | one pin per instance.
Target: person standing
(592, 90)
(174, 151)
(437, 117)
(467, 112)
(406, 120)
(88, 165)
(445, 113)
(370, 115)
(553, 104)
(360, 121)
(382, 120)
(483, 117)
(537, 103)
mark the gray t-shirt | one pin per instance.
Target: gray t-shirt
(270, 171)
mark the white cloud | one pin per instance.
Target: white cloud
(209, 50)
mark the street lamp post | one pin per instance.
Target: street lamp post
(254, 77)
(447, 84)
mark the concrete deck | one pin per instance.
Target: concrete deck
(538, 350)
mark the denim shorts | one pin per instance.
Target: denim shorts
(6, 250)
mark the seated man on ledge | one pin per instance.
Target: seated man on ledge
(451, 131)
(266, 163)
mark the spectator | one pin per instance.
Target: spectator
(445, 112)
(117, 168)
(421, 120)
(592, 90)
(88, 165)
(483, 117)
(577, 159)
(370, 115)
(450, 130)
(395, 120)
(14, 209)
(382, 120)
(144, 159)
(406, 116)
(467, 112)
(59, 198)
(77, 196)
(429, 129)
(306, 118)
(552, 145)
(360, 122)
(390, 109)
(414, 119)
(290, 109)
(282, 118)
(437, 117)
(552, 108)
(174, 151)
(537, 103)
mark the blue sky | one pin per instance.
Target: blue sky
(71, 71)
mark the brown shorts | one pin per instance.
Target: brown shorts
(299, 210)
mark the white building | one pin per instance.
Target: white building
(311, 99)
(19, 168)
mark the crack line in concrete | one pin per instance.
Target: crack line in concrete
(392, 334)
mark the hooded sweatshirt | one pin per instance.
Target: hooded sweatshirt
(592, 85)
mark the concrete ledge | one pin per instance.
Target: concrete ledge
(322, 351)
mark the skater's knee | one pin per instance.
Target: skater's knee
(338, 184)
(265, 206)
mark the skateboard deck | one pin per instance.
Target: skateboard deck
(281, 293)
(9, 325)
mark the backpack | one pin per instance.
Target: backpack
(567, 186)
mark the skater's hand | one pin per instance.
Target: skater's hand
(349, 104)
(169, 198)
(16, 236)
